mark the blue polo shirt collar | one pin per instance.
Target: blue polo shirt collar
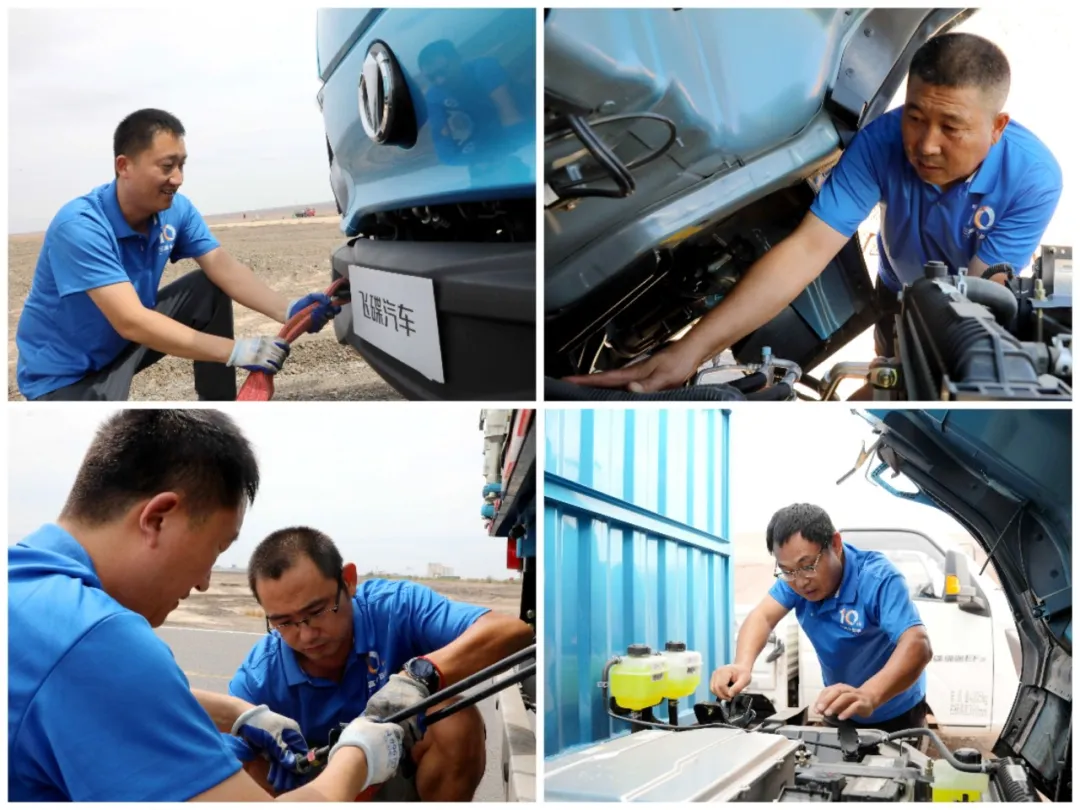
(295, 674)
(114, 214)
(986, 176)
(849, 584)
(56, 539)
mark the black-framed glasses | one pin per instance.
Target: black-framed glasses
(285, 627)
(806, 572)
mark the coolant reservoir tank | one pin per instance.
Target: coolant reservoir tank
(637, 681)
(951, 785)
(683, 671)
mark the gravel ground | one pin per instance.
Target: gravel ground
(293, 257)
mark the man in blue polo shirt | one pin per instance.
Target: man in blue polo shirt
(855, 608)
(956, 180)
(98, 709)
(95, 316)
(336, 648)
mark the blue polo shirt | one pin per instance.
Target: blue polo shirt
(62, 336)
(98, 709)
(855, 631)
(999, 214)
(392, 622)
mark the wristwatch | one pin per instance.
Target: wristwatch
(422, 670)
(1001, 267)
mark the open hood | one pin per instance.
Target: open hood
(722, 120)
(1006, 475)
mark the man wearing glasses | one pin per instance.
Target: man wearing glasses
(855, 608)
(336, 648)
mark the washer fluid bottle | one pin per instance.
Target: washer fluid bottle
(637, 681)
(683, 671)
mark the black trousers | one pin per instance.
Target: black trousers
(193, 300)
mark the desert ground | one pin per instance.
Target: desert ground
(228, 604)
(293, 257)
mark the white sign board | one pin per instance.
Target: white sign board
(396, 312)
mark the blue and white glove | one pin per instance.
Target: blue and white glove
(320, 316)
(381, 744)
(279, 738)
(266, 354)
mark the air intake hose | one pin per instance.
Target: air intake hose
(1012, 780)
(559, 390)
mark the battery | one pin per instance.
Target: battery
(872, 789)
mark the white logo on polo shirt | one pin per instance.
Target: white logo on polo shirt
(168, 236)
(850, 621)
(984, 218)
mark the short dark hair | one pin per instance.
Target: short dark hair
(811, 521)
(439, 49)
(964, 60)
(137, 131)
(139, 453)
(281, 550)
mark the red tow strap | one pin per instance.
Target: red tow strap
(259, 386)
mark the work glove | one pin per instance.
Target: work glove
(279, 738)
(320, 316)
(399, 693)
(265, 354)
(381, 744)
(240, 748)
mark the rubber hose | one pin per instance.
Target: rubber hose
(751, 382)
(560, 390)
(1012, 780)
(774, 393)
(998, 298)
(966, 343)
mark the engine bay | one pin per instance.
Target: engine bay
(780, 760)
(955, 337)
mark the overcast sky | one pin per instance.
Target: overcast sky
(395, 487)
(242, 80)
(782, 456)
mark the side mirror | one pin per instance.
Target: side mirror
(956, 576)
(971, 601)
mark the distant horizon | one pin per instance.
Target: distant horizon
(225, 215)
(511, 576)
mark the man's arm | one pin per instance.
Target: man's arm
(771, 283)
(905, 665)
(491, 638)
(342, 781)
(238, 282)
(120, 304)
(223, 709)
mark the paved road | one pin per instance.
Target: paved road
(209, 658)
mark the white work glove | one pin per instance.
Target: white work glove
(266, 354)
(279, 736)
(381, 744)
(399, 693)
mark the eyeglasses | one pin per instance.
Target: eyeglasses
(806, 572)
(285, 627)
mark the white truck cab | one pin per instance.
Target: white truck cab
(971, 682)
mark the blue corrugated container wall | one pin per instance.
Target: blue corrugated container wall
(636, 550)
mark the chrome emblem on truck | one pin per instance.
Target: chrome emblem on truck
(379, 92)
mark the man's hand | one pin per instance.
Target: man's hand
(279, 737)
(400, 693)
(265, 354)
(320, 316)
(844, 702)
(381, 744)
(728, 681)
(668, 368)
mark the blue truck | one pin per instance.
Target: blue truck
(430, 121)
(508, 511)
